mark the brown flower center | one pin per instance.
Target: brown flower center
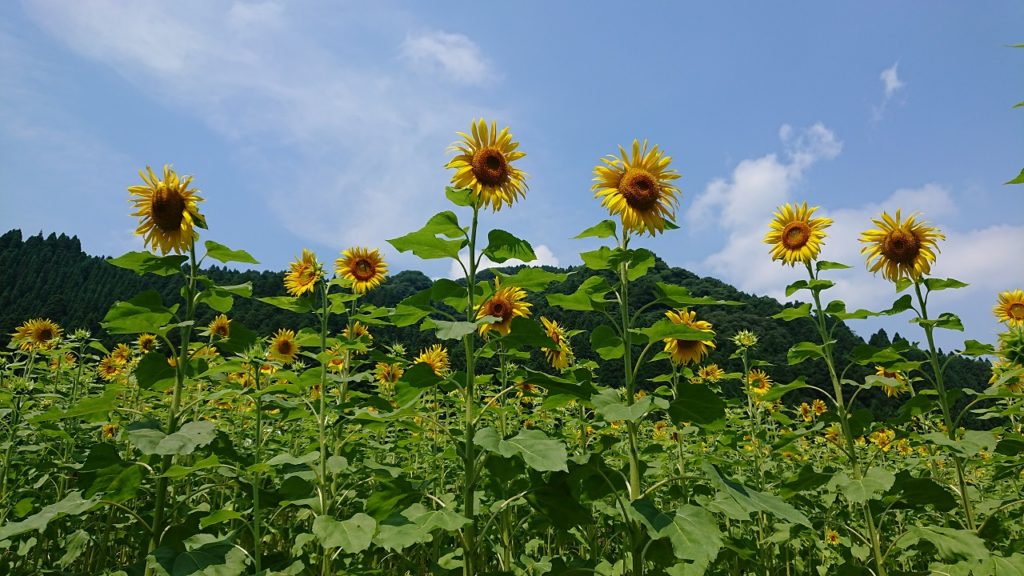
(795, 235)
(901, 246)
(168, 208)
(221, 329)
(490, 167)
(284, 348)
(640, 189)
(363, 269)
(1016, 311)
(500, 308)
(45, 334)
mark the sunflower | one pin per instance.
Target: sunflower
(436, 357)
(109, 368)
(283, 346)
(901, 249)
(759, 382)
(687, 351)
(358, 331)
(304, 274)
(364, 267)
(833, 434)
(711, 373)
(65, 360)
(388, 374)
(638, 187)
(109, 430)
(1014, 382)
(337, 360)
(559, 357)
(806, 412)
(796, 237)
(831, 537)
(1011, 347)
(882, 439)
(167, 211)
(898, 385)
(121, 354)
(146, 342)
(484, 165)
(1010, 308)
(745, 339)
(37, 334)
(819, 407)
(506, 303)
(220, 326)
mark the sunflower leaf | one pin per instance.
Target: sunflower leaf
(428, 246)
(222, 253)
(147, 263)
(936, 284)
(826, 265)
(666, 328)
(1020, 177)
(289, 303)
(459, 196)
(788, 314)
(453, 330)
(679, 297)
(603, 229)
(698, 404)
(532, 279)
(802, 351)
(975, 348)
(143, 313)
(588, 297)
(503, 246)
(606, 343)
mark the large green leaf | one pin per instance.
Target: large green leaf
(503, 246)
(534, 446)
(290, 303)
(666, 328)
(951, 544)
(524, 333)
(190, 436)
(143, 313)
(353, 535)
(611, 407)
(425, 242)
(147, 263)
(72, 504)
(86, 406)
(154, 371)
(532, 279)
(693, 531)
(603, 229)
(606, 343)
(588, 297)
(679, 297)
(750, 500)
(222, 253)
(555, 500)
(789, 314)
(871, 486)
(699, 405)
(802, 351)
(1020, 177)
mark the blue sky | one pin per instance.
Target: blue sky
(324, 125)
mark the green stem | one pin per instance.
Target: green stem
(321, 417)
(257, 544)
(469, 450)
(947, 418)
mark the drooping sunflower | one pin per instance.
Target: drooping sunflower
(304, 274)
(387, 374)
(436, 357)
(901, 248)
(168, 211)
(638, 187)
(283, 346)
(561, 356)
(506, 303)
(1010, 308)
(37, 334)
(484, 165)
(146, 342)
(683, 352)
(359, 331)
(364, 267)
(759, 382)
(794, 235)
(220, 326)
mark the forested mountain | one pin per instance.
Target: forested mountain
(53, 278)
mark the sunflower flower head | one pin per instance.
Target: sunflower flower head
(759, 383)
(109, 368)
(220, 326)
(710, 373)
(505, 304)
(684, 352)
(794, 235)
(168, 211)
(831, 537)
(387, 375)
(561, 356)
(1010, 308)
(303, 274)
(436, 357)
(122, 354)
(37, 334)
(897, 381)
(819, 407)
(744, 339)
(365, 268)
(283, 346)
(484, 166)
(638, 188)
(901, 248)
(146, 342)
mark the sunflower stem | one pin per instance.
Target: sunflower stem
(940, 387)
(469, 450)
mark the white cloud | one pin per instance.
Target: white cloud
(545, 257)
(335, 140)
(454, 54)
(891, 85)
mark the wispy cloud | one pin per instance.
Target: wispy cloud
(891, 85)
(336, 143)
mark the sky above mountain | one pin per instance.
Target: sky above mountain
(324, 125)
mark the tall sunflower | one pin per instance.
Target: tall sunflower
(758, 382)
(794, 235)
(1010, 308)
(436, 357)
(304, 274)
(484, 165)
(506, 303)
(901, 248)
(283, 346)
(638, 187)
(364, 267)
(37, 334)
(688, 351)
(220, 326)
(561, 356)
(168, 211)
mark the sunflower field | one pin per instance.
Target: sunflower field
(207, 448)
